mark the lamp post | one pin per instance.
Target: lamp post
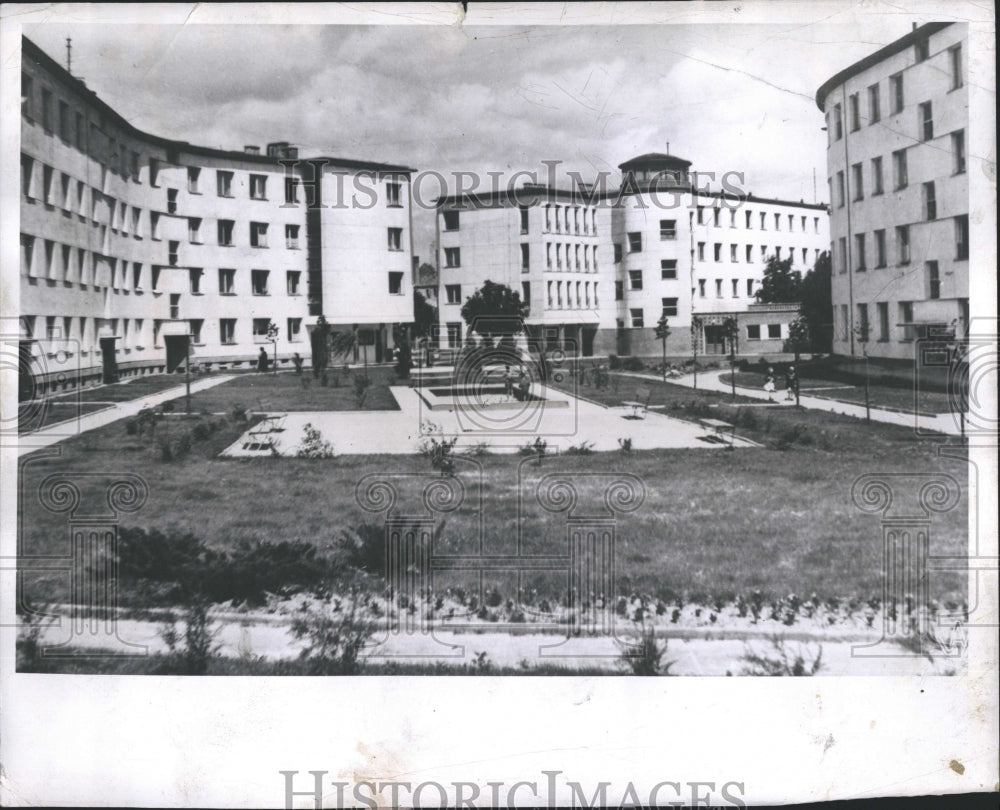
(272, 335)
(730, 328)
(187, 374)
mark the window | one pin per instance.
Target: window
(749, 254)
(732, 219)
(27, 253)
(48, 185)
(749, 288)
(194, 280)
(258, 281)
(258, 187)
(668, 269)
(27, 96)
(840, 189)
(930, 201)
(874, 106)
(193, 174)
(154, 172)
(838, 124)
(863, 328)
(718, 288)
(736, 287)
(777, 222)
(394, 238)
(668, 229)
(175, 306)
(453, 257)
(225, 232)
(135, 223)
(882, 311)
(701, 251)
(777, 253)
(815, 224)
(749, 219)
(27, 177)
(258, 234)
(753, 331)
(637, 319)
(669, 307)
(137, 276)
(858, 180)
(962, 237)
(955, 62)
(763, 253)
(224, 183)
(701, 215)
(194, 230)
(171, 201)
(154, 278)
(227, 280)
(717, 251)
(842, 253)
(635, 279)
(899, 176)
(958, 152)
(454, 334)
(260, 328)
(859, 253)
(294, 330)
(64, 119)
(906, 319)
(292, 279)
(392, 195)
(921, 49)
(292, 237)
(903, 244)
(763, 221)
(453, 292)
(701, 288)
(855, 110)
(716, 213)
(172, 249)
(925, 120)
(933, 280)
(880, 248)
(526, 292)
(525, 257)
(619, 291)
(732, 253)
(47, 109)
(877, 187)
(635, 242)
(395, 283)
(524, 220)
(450, 220)
(896, 88)
(291, 190)
(774, 331)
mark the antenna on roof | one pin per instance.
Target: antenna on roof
(668, 147)
(69, 55)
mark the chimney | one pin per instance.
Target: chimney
(251, 149)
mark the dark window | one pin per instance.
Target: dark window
(668, 269)
(395, 283)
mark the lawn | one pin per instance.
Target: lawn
(36, 415)
(714, 524)
(289, 392)
(127, 390)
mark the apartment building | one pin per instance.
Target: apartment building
(129, 242)
(599, 267)
(897, 123)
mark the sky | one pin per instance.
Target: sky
(488, 98)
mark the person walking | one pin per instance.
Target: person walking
(262, 361)
(791, 384)
(769, 384)
(508, 382)
(297, 362)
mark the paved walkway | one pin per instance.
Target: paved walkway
(947, 423)
(53, 434)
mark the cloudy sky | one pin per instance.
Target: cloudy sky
(449, 98)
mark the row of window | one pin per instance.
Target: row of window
(566, 257)
(453, 292)
(835, 122)
(902, 246)
(883, 328)
(582, 221)
(577, 295)
(900, 174)
(795, 254)
(635, 283)
(748, 219)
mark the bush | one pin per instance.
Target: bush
(335, 634)
(238, 413)
(361, 385)
(782, 662)
(625, 445)
(633, 364)
(646, 656)
(614, 362)
(581, 449)
(313, 444)
(199, 646)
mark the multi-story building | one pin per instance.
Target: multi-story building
(130, 241)
(897, 123)
(600, 267)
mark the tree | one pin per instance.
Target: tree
(817, 304)
(319, 340)
(495, 311)
(696, 326)
(781, 284)
(424, 316)
(662, 331)
(731, 332)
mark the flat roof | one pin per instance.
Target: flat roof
(871, 60)
(32, 51)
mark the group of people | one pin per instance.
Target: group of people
(263, 362)
(791, 384)
(516, 384)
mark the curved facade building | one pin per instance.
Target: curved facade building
(899, 227)
(130, 241)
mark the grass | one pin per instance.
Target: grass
(288, 392)
(34, 416)
(880, 396)
(714, 524)
(127, 390)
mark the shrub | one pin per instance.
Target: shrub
(335, 634)
(645, 657)
(199, 639)
(625, 445)
(633, 364)
(614, 362)
(313, 444)
(361, 385)
(581, 449)
(238, 413)
(783, 661)
(535, 448)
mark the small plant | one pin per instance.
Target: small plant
(361, 387)
(198, 641)
(536, 448)
(633, 364)
(481, 664)
(581, 449)
(335, 634)
(783, 661)
(625, 446)
(238, 413)
(645, 657)
(480, 449)
(313, 444)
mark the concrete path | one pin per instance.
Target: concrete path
(710, 381)
(53, 434)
